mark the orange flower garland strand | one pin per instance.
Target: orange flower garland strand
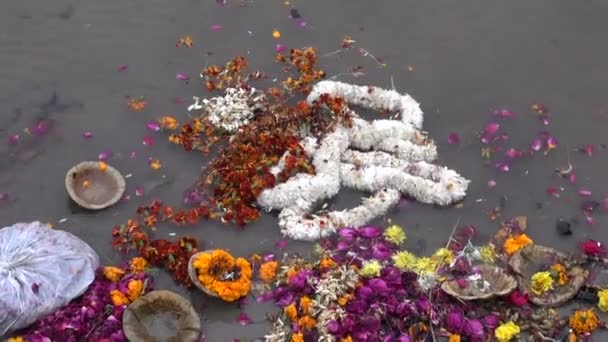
(212, 266)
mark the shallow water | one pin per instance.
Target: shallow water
(59, 61)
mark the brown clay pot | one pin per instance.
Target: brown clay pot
(94, 188)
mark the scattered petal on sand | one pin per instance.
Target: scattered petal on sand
(122, 67)
(280, 48)
(155, 164)
(216, 27)
(572, 177)
(492, 128)
(42, 127)
(605, 204)
(536, 145)
(243, 319)
(553, 191)
(104, 155)
(453, 139)
(133, 155)
(588, 150)
(503, 113)
(147, 141)
(153, 126)
(182, 77)
(281, 244)
(4, 196)
(585, 193)
(139, 191)
(503, 166)
(14, 139)
(491, 184)
(87, 134)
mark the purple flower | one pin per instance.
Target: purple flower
(370, 232)
(491, 321)
(378, 285)
(381, 252)
(333, 327)
(474, 328)
(298, 281)
(283, 296)
(454, 322)
(348, 234)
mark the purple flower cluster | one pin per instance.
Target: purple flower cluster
(90, 317)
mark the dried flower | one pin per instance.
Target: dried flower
(506, 332)
(515, 243)
(112, 273)
(371, 268)
(395, 234)
(138, 265)
(584, 321)
(560, 274)
(541, 282)
(602, 296)
(136, 105)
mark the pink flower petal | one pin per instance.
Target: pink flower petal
(87, 134)
(243, 319)
(453, 139)
(42, 127)
(133, 155)
(503, 113)
(536, 145)
(147, 141)
(572, 177)
(503, 166)
(590, 220)
(281, 244)
(491, 128)
(491, 184)
(14, 139)
(182, 77)
(4, 196)
(105, 155)
(584, 193)
(551, 142)
(122, 67)
(280, 48)
(216, 27)
(553, 191)
(139, 191)
(153, 126)
(605, 204)
(588, 150)
(513, 153)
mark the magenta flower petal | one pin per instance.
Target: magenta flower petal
(370, 232)
(503, 166)
(474, 328)
(553, 191)
(182, 77)
(453, 139)
(42, 127)
(281, 244)
(147, 141)
(593, 248)
(105, 155)
(280, 48)
(122, 67)
(585, 193)
(139, 191)
(348, 234)
(153, 126)
(491, 128)
(536, 145)
(4, 196)
(216, 27)
(87, 134)
(243, 319)
(513, 153)
(454, 322)
(551, 142)
(503, 113)
(572, 177)
(14, 139)
(491, 184)
(588, 150)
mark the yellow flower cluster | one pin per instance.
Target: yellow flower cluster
(541, 282)
(405, 260)
(395, 234)
(584, 321)
(211, 269)
(602, 300)
(370, 269)
(488, 253)
(515, 243)
(506, 332)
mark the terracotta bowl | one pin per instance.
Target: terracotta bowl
(93, 187)
(194, 277)
(161, 316)
(532, 259)
(497, 283)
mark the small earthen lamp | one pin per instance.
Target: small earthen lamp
(94, 185)
(161, 316)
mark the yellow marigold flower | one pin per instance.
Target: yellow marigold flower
(112, 273)
(584, 321)
(16, 339)
(268, 271)
(307, 322)
(488, 253)
(444, 255)
(118, 298)
(135, 288)
(395, 234)
(515, 243)
(371, 268)
(560, 273)
(291, 312)
(306, 305)
(602, 303)
(454, 338)
(541, 282)
(138, 265)
(506, 332)
(426, 265)
(404, 260)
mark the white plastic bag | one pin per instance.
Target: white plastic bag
(41, 269)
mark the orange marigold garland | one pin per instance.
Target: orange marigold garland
(173, 256)
(224, 275)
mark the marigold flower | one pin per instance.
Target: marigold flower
(602, 303)
(371, 268)
(268, 271)
(404, 260)
(138, 265)
(16, 339)
(327, 263)
(291, 312)
(118, 298)
(506, 332)
(297, 337)
(560, 274)
(347, 339)
(305, 305)
(212, 269)
(584, 321)
(515, 243)
(425, 265)
(444, 255)
(541, 282)
(395, 234)
(344, 299)
(135, 289)
(454, 338)
(307, 322)
(168, 122)
(112, 273)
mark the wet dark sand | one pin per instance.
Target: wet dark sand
(58, 61)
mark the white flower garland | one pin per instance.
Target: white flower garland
(231, 111)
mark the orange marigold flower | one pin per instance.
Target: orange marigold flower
(168, 122)
(297, 337)
(112, 273)
(515, 243)
(560, 273)
(347, 339)
(136, 105)
(344, 299)
(135, 288)
(268, 271)
(454, 338)
(584, 321)
(307, 322)
(291, 312)
(305, 305)
(118, 298)
(327, 263)
(212, 268)
(138, 265)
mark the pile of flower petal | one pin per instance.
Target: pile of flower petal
(97, 314)
(364, 286)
